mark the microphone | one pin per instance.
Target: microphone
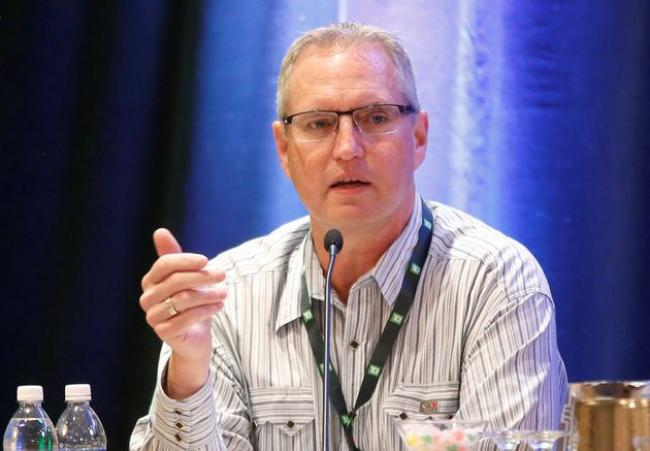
(333, 243)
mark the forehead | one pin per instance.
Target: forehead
(342, 77)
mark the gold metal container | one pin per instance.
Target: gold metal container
(609, 415)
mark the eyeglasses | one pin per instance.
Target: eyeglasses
(380, 119)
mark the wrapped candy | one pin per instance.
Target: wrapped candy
(441, 436)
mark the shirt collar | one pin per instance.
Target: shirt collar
(391, 267)
(388, 273)
(289, 303)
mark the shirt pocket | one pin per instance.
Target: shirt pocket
(283, 417)
(420, 401)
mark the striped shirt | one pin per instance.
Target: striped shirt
(478, 343)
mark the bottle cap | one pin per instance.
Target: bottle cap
(29, 393)
(77, 392)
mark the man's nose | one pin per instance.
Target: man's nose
(347, 144)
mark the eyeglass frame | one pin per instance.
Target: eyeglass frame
(408, 109)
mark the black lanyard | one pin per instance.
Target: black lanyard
(389, 335)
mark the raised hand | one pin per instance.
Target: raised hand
(179, 296)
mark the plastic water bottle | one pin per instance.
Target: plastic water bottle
(30, 428)
(79, 427)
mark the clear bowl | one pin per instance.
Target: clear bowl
(441, 435)
(507, 439)
(540, 440)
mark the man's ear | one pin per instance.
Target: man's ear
(281, 146)
(421, 136)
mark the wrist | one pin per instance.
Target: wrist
(184, 377)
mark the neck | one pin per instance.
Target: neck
(362, 249)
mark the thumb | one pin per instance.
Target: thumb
(165, 242)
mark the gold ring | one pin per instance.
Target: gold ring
(169, 305)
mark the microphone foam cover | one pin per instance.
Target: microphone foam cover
(333, 237)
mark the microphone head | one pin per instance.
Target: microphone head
(333, 238)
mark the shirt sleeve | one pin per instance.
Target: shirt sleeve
(216, 418)
(512, 374)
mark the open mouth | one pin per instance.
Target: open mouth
(352, 183)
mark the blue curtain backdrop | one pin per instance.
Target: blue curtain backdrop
(539, 117)
(118, 117)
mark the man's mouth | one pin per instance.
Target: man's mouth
(350, 183)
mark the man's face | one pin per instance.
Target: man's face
(351, 179)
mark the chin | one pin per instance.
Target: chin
(354, 216)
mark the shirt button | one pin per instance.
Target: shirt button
(354, 344)
(403, 416)
(290, 424)
(179, 425)
(178, 438)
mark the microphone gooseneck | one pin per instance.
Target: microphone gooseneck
(333, 243)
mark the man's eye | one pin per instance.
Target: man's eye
(377, 119)
(374, 117)
(319, 124)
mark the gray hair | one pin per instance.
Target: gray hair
(347, 34)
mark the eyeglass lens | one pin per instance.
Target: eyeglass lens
(372, 120)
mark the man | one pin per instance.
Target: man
(476, 339)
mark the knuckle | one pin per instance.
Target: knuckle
(163, 263)
(143, 301)
(161, 329)
(179, 301)
(182, 297)
(144, 282)
(174, 279)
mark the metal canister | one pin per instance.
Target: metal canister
(609, 415)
